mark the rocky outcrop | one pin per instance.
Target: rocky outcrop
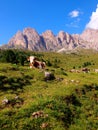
(90, 36)
(47, 41)
(18, 41)
(50, 40)
(66, 40)
(33, 39)
(28, 39)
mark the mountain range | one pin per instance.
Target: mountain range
(29, 39)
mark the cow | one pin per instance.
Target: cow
(85, 70)
(35, 63)
(39, 64)
(31, 59)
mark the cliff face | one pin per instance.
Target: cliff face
(18, 40)
(47, 41)
(91, 37)
(50, 41)
(28, 39)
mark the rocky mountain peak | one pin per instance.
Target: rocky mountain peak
(47, 41)
(30, 30)
(18, 40)
(31, 34)
(90, 35)
(48, 34)
(64, 36)
(50, 40)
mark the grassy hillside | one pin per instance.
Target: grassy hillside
(69, 102)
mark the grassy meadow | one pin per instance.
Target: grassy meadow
(68, 102)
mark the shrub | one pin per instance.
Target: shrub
(48, 63)
(85, 64)
(9, 56)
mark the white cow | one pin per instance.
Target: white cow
(35, 63)
(31, 59)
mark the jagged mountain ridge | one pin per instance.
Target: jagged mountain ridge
(47, 41)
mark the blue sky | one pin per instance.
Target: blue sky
(71, 16)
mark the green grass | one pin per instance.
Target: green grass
(69, 102)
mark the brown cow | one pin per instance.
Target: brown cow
(34, 62)
(39, 64)
(85, 70)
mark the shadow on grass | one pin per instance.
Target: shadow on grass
(13, 83)
(85, 89)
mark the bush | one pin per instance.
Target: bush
(48, 63)
(13, 56)
(9, 56)
(85, 64)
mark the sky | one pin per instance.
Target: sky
(71, 16)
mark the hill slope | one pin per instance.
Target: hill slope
(68, 102)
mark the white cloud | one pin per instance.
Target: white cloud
(74, 23)
(74, 13)
(93, 23)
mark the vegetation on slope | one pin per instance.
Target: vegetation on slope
(69, 102)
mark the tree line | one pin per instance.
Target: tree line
(13, 56)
